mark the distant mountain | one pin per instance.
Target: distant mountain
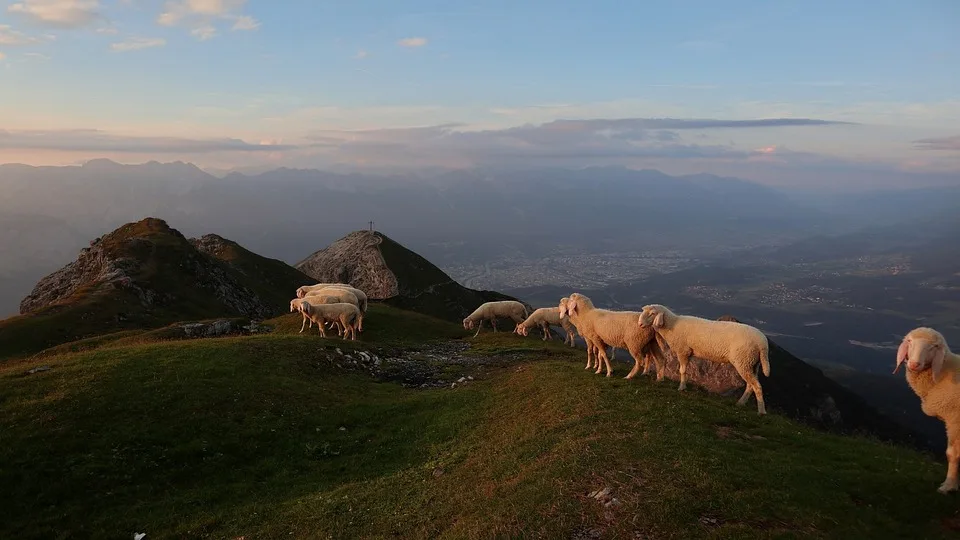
(452, 217)
(143, 275)
(387, 271)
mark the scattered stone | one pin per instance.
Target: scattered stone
(438, 472)
(342, 428)
(462, 380)
(38, 369)
(709, 521)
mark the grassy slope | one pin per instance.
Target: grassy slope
(274, 281)
(227, 437)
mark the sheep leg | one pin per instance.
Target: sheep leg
(753, 387)
(606, 360)
(683, 358)
(320, 324)
(953, 459)
(305, 323)
(637, 354)
(589, 355)
(479, 326)
(493, 323)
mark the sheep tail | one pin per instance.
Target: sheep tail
(765, 360)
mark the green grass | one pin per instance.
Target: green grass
(230, 437)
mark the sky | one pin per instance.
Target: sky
(777, 91)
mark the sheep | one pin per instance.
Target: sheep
(740, 344)
(617, 329)
(342, 295)
(544, 317)
(507, 309)
(933, 372)
(361, 298)
(344, 313)
(592, 349)
(302, 291)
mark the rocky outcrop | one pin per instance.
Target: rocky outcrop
(354, 259)
(387, 271)
(158, 266)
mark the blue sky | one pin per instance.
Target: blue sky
(297, 79)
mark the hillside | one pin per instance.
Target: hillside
(287, 435)
(388, 271)
(144, 275)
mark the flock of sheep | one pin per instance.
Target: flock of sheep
(339, 305)
(933, 371)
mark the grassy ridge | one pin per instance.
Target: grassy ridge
(232, 437)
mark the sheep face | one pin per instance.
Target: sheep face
(467, 324)
(521, 329)
(922, 349)
(650, 316)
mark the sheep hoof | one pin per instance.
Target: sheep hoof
(947, 486)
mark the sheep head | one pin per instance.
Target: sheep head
(521, 329)
(922, 349)
(563, 306)
(468, 323)
(301, 292)
(578, 302)
(652, 315)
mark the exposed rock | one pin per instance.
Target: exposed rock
(355, 259)
(387, 271)
(220, 327)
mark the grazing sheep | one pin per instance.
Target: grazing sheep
(489, 311)
(933, 372)
(544, 317)
(342, 295)
(616, 329)
(719, 341)
(361, 298)
(303, 291)
(344, 313)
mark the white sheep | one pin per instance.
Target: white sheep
(592, 350)
(933, 372)
(739, 344)
(490, 311)
(347, 315)
(361, 298)
(302, 291)
(342, 295)
(617, 329)
(544, 317)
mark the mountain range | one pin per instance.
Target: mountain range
(48, 213)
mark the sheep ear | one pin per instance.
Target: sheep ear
(658, 320)
(572, 306)
(938, 358)
(901, 354)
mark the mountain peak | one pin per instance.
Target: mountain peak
(386, 270)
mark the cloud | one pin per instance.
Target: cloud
(245, 22)
(108, 30)
(204, 33)
(200, 15)
(59, 13)
(412, 42)
(361, 54)
(2, 56)
(96, 141)
(13, 38)
(137, 43)
(939, 143)
(38, 56)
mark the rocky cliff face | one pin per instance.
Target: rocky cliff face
(387, 271)
(354, 259)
